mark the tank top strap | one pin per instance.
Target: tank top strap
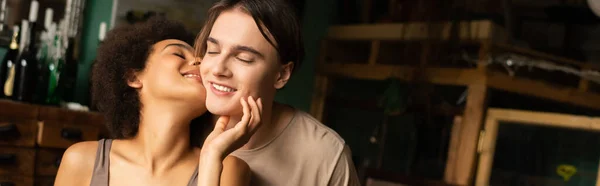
(194, 179)
(101, 164)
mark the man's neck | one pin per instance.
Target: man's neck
(273, 121)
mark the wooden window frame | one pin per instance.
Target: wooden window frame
(487, 144)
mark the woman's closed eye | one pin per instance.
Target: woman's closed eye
(179, 55)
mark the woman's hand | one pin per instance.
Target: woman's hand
(221, 141)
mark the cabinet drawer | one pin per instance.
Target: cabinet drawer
(54, 134)
(17, 161)
(16, 181)
(48, 161)
(18, 132)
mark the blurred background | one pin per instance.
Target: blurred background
(425, 92)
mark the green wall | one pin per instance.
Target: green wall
(298, 92)
(96, 11)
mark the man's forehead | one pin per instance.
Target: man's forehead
(232, 30)
(238, 25)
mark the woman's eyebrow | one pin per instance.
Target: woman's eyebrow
(179, 45)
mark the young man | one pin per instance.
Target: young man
(250, 48)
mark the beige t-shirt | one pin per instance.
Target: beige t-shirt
(306, 152)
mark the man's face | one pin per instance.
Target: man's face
(239, 62)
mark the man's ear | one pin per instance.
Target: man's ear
(284, 74)
(133, 81)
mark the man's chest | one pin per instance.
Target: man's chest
(287, 169)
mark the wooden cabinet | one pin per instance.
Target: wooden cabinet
(33, 139)
(16, 180)
(47, 161)
(44, 181)
(16, 161)
(20, 133)
(54, 134)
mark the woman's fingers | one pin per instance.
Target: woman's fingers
(258, 112)
(223, 140)
(221, 123)
(260, 106)
(245, 117)
(255, 112)
(250, 102)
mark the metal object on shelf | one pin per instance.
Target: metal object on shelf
(512, 61)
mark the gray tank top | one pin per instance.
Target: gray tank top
(100, 174)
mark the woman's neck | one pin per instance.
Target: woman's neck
(163, 138)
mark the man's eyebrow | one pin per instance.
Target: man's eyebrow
(238, 47)
(212, 40)
(178, 45)
(248, 49)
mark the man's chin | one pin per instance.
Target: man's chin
(223, 110)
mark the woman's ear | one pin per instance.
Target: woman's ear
(133, 80)
(284, 74)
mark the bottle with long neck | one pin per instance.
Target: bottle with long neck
(27, 64)
(5, 33)
(7, 70)
(41, 92)
(55, 68)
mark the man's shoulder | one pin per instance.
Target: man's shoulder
(327, 148)
(315, 133)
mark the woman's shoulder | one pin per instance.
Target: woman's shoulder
(81, 152)
(80, 156)
(77, 163)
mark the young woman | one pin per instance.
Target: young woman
(147, 83)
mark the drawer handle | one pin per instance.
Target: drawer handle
(6, 183)
(8, 131)
(8, 159)
(71, 134)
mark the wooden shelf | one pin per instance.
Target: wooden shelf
(549, 57)
(443, 76)
(464, 77)
(544, 90)
(11, 109)
(70, 116)
(468, 30)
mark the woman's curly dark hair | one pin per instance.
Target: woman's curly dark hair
(125, 50)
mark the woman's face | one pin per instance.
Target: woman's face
(239, 62)
(172, 77)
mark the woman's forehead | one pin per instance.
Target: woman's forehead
(172, 43)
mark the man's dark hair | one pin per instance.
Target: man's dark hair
(124, 51)
(274, 18)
